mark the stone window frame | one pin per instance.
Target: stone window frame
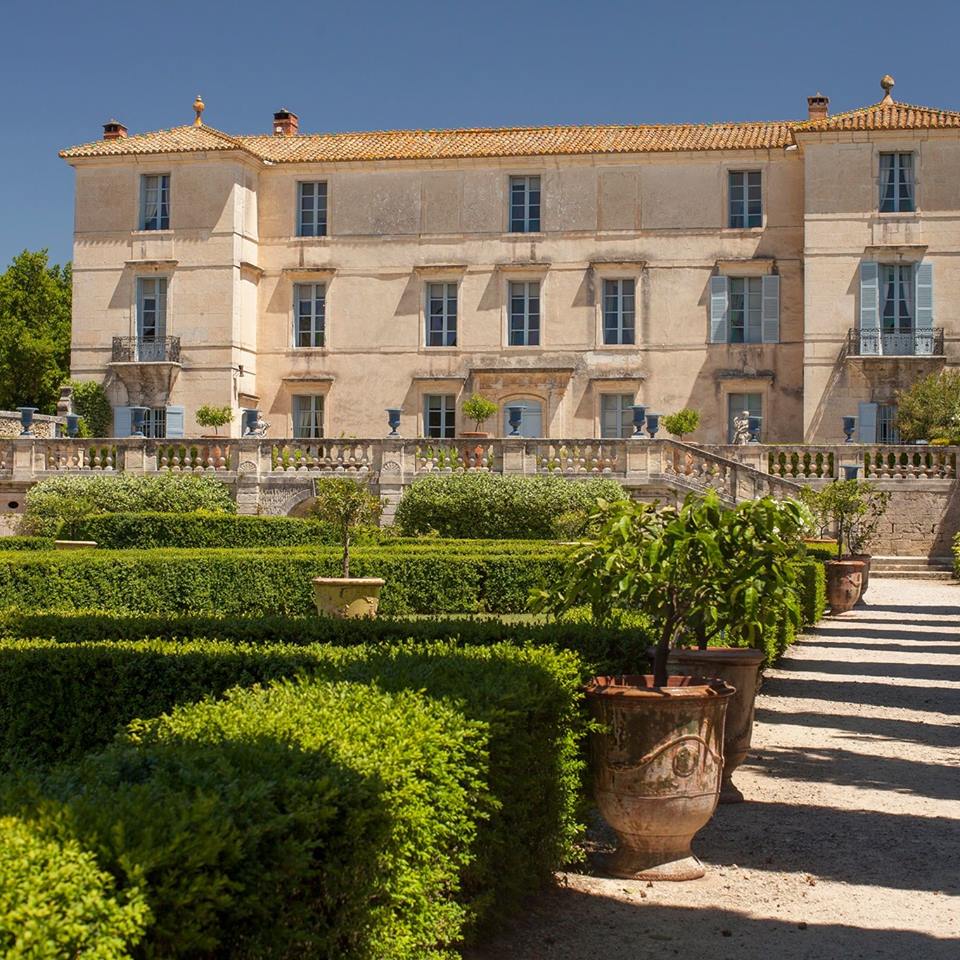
(298, 210)
(515, 179)
(163, 189)
(734, 166)
(614, 391)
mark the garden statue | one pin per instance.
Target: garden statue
(260, 427)
(741, 428)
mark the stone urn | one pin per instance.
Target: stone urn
(739, 667)
(844, 584)
(347, 597)
(657, 764)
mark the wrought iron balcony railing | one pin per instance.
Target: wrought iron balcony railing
(146, 350)
(877, 343)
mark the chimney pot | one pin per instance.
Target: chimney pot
(285, 123)
(818, 106)
(114, 130)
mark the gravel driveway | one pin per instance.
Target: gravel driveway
(849, 843)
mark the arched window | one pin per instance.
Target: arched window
(531, 416)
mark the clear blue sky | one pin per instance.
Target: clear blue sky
(66, 67)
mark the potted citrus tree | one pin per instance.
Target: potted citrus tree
(658, 751)
(478, 409)
(682, 422)
(346, 505)
(216, 417)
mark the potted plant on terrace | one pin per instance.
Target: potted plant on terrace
(696, 570)
(682, 422)
(346, 505)
(216, 417)
(478, 409)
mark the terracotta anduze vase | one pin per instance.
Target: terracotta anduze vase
(347, 597)
(657, 764)
(844, 584)
(865, 559)
(739, 667)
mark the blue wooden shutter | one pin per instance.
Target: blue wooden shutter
(719, 309)
(924, 308)
(771, 309)
(175, 422)
(122, 421)
(869, 308)
(867, 423)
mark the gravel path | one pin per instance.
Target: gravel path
(849, 843)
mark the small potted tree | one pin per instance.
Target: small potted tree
(478, 409)
(346, 505)
(216, 417)
(682, 422)
(658, 754)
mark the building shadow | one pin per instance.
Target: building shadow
(865, 693)
(857, 668)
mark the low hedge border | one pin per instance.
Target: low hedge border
(26, 543)
(60, 701)
(238, 582)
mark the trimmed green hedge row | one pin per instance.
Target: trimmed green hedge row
(60, 700)
(235, 582)
(55, 901)
(26, 543)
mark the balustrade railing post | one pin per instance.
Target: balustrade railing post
(25, 453)
(513, 456)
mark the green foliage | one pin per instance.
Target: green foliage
(490, 506)
(479, 409)
(851, 508)
(245, 582)
(345, 505)
(34, 332)
(26, 543)
(956, 555)
(930, 408)
(56, 902)
(813, 590)
(216, 417)
(696, 572)
(682, 422)
(50, 501)
(76, 696)
(91, 403)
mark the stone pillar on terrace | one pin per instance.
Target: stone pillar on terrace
(253, 460)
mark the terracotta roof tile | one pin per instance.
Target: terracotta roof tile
(885, 116)
(186, 139)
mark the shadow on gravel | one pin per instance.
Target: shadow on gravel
(566, 924)
(892, 633)
(948, 624)
(916, 611)
(871, 668)
(867, 694)
(864, 771)
(811, 641)
(869, 728)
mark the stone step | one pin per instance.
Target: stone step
(912, 575)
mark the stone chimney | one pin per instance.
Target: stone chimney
(818, 106)
(114, 130)
(285, 123)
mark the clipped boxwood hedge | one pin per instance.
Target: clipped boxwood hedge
(307, 819)
(60, 701)
(250, 582)
(26, 543)
(488, 505)
(55, 901)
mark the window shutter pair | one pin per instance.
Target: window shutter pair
(720, 309)
(867, 423)
(870, 340)
(123, 422)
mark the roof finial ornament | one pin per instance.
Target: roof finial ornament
(198, 106)
(887, 84)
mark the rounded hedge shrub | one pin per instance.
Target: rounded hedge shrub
(489, 506)
(56, 902)
(51, 501)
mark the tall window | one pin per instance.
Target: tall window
(896, 182)
(746, 302)
(531, 417)
(737, 403)
(525, 314)
(155, 423)
(151, 318)
(619, 311)
(312, 209)
(896, 297)
(887, 431)
(524, 204)
(441, 314)
(308, 417)
(746, 202)
(439, 416)
(616, 415)
(310, 314)
(155, 202)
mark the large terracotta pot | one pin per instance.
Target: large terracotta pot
(740, 667)
(347, 597)
(474, 435)
(844, 584)
(865, 559)
(657, 766)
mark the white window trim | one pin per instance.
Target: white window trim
(294, 313)
(426, 281)
(438, 391)
(325, 421)
(915, 150)
(734, 167)
(601, 280)
(746, 313)
(508, 226)
(296, 209)
(141, 204)
(518, 277)
(135, 301)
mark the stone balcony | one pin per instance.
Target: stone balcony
(147, 366)
(921, 344)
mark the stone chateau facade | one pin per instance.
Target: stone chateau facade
(802, 270)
